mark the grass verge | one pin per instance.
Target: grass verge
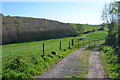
(110, 61)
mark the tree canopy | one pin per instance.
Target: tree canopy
(111, 17)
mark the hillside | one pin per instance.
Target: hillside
(22, 29)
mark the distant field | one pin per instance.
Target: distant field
(90, 27)
(97, 35)
(87, 27)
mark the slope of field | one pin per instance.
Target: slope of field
(25, 59)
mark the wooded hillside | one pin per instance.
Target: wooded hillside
(23, 29)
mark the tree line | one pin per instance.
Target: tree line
(22, 29)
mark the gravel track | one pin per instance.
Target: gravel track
(96, 69)
(68, 66)
(71, 66)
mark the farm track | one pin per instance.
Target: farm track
(96, 69)
(71, 66)
(68, 66)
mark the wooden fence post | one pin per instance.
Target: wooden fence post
(60, 45)
(69, 43)
(72, 42)
(43, 49)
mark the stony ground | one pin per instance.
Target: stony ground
(96, 69)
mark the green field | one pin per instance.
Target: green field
(23, 60)
(87, 27)
(90, 27)
(35, 47)
(97, 35)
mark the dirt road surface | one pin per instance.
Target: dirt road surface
(69, 66)
(96, 69)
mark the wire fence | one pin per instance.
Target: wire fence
(45, 47)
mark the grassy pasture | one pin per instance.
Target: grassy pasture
(23, 60)
(35, 47)
(87, 27)
(28, 56)
(97, 35)
(90, 27)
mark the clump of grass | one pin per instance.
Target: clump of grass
(75, 77)
(64, 49)
(84, 57)
(50, 55)
(54, 52)
(69, 47)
